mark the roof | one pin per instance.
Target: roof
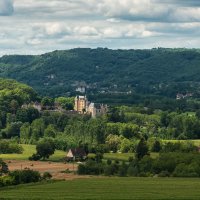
(78, 152)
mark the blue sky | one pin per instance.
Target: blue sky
(38, 26)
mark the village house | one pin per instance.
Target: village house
(81, 89)
(35, 105)
(76, 154)
(183, 96)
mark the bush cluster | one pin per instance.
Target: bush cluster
(9, 147)
(167, 164)
(20, 177)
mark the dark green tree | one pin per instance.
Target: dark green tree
(142, 149)
(45, 148)
(156, 146)
(3, 167)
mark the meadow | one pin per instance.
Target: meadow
(28, 151)
(58, 155)
(108, 188)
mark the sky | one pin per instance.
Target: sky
(39, 26)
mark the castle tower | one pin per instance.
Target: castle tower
(81, 104)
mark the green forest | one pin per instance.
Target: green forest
(127, 123)
(122, 76)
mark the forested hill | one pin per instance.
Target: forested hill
(158, 71)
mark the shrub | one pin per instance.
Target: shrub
(156, 146)
(91, 167)
(46, 176)
(24, 176)
(6, 181)
(122, 171)
(111, 169)
(183, 170)
(164, 174)
(109, 162)
(132, 171)
(81, 169)
(108, 170)
(3, 167)
(7, 147)
(34, 157)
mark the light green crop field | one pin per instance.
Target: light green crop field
(108, 188)
(28, 151)
(195, 142)
(124, 156)
(118, 156)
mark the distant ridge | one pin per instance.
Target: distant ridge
(159, 71)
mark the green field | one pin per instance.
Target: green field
(28, 151)
(109, 188)
(195, 142)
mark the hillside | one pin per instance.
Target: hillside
(164, 72)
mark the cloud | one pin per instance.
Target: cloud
(190, 3)
(86, 30)
(135, 10)
(50, 29)
(35, 26)
(6, 7)
(151, 10)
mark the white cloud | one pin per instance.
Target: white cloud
(134, 9)
(86, 30)
(39, 25)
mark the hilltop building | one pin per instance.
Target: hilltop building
(82, 105)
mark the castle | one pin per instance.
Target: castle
(82, 105)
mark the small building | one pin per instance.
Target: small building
(35, 105)
(77, 154)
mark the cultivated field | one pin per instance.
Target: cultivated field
(108, 188)
(55, 168)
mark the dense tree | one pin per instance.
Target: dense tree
(66, 102)
(142, 149)
(37, 127)
(113, 142)
(50, 131)
(156, 146)
(3, 167)
(13, 129)
(25, 133)
(47, 101)
(45, 148)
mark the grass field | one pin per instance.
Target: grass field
(120, 156)
(109, 188)
(28, 151)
